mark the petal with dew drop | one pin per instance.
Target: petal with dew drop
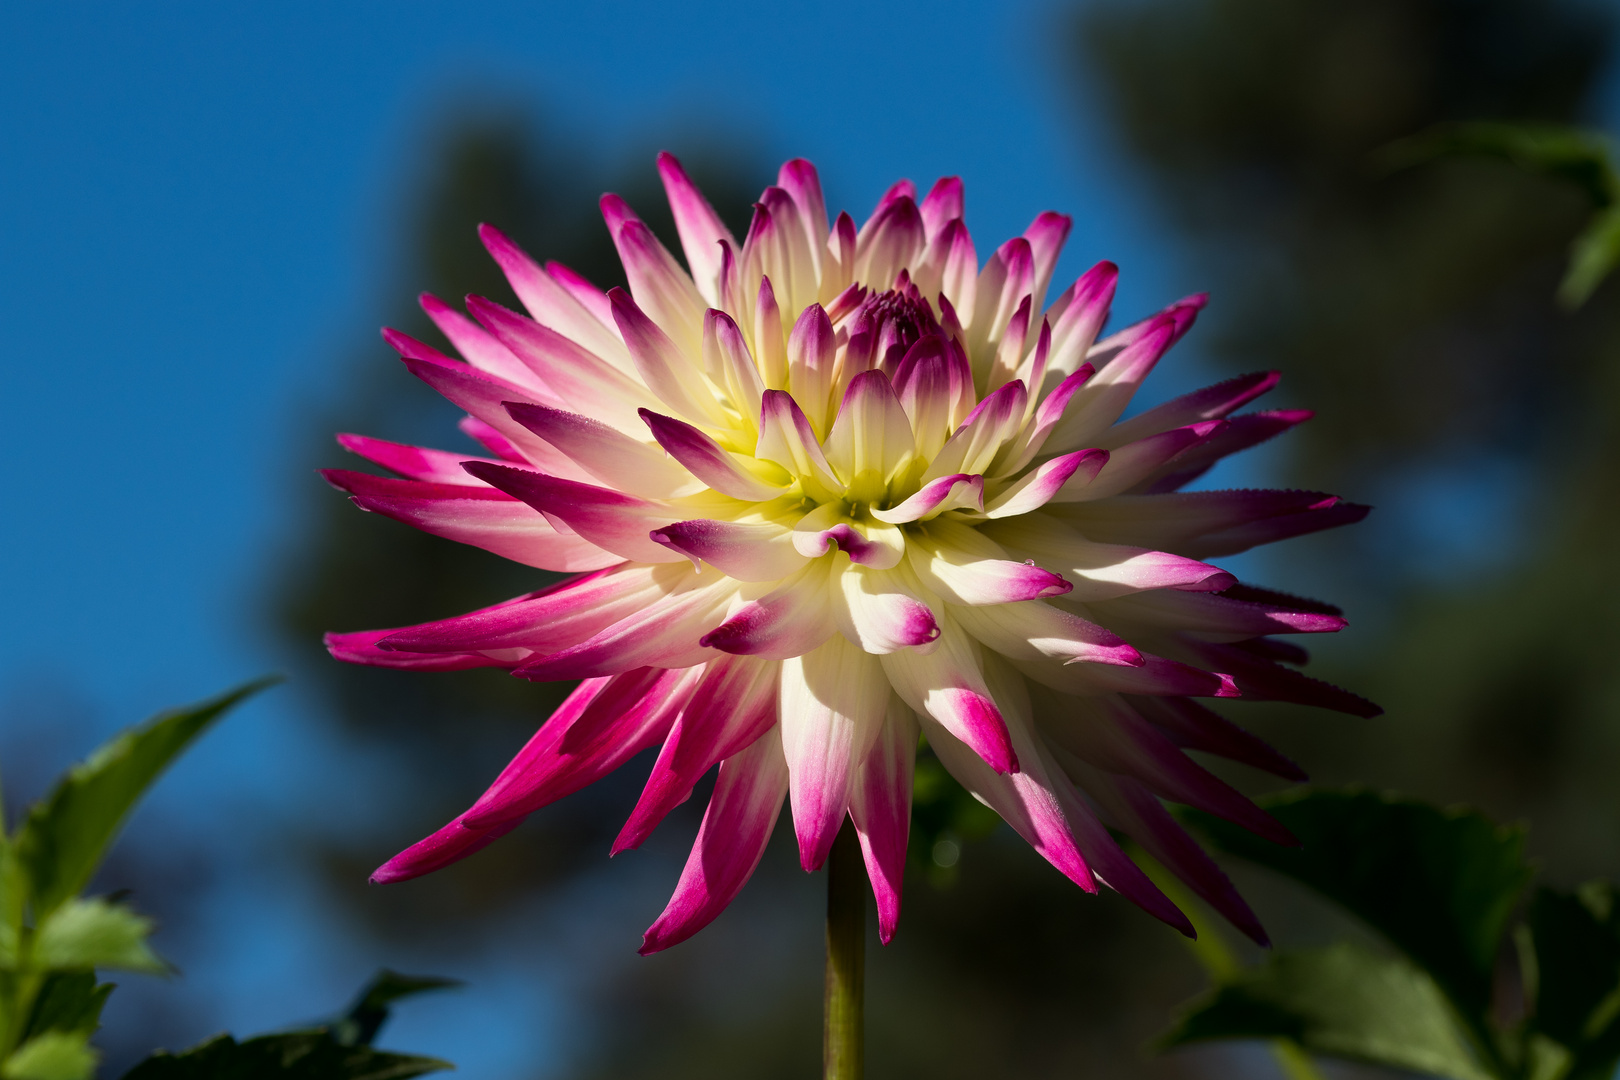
(965, 567)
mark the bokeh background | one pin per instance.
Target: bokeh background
(208, 209)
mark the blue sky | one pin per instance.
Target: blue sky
(198, 204)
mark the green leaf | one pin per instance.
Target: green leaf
(1344, 1002)
(1577, 955)
(360, 1024)
(304, 1055)
(70, 1002)
(92, 934)
(13, 900)
(1439, 884)
(1593, 256)
(65, 836)
(1583, 157)
(55, 1055)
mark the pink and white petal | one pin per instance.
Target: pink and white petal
(1193, 727)
(943, 204)
(1101, 571)
(467, 515)
(1085, 309)
(1108, 862)
(880, 807)
(1259, 678)
(889, 242)
(360, 647)
(1240, 433)
(492, 440)
(802, 183)
(1206, 524)
(1009, 353)
(1041, 485)
(1155, 676)
(953, 492)
(660, 286)
(584, 381)
(935, 387)
(875, 544)
(965, 567)
(1006, 279)
(832, 705)
(983, 434)
(1140, 814)
(700, 228)
(742, 813)
(667, 633)
(669, 371)
(553, 298)
(412, 462)
(838, 266)
(1037, 631)
(1108, 733)
(609, 519)
(947, 684)
(810, 352)
(483, 396)
(770, 339)
(601, 725)
(727, 360)
(732, 706)
(1213, 617)
(707, 460)
(1135, 462)
(482, 351)
(591, 297)
(1106, 394)
(1046, 235)
(1211, 403)
(1029, 441)
(871, 439)
(449, 845)
(754, 551)
(606, 454)
(792, 619)
(1026, 799)
(876, 611)
(786, 438)
(551, 619)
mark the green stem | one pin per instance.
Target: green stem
(843, 1036)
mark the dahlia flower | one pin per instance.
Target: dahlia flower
(834, 488)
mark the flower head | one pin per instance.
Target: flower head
(832, 488)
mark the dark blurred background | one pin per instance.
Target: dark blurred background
(1413, 311)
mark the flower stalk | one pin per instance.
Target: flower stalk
(844, 1033)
